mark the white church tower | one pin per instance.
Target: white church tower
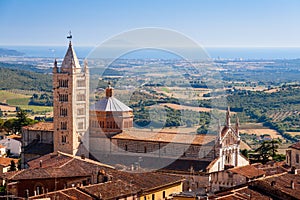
(71, 105)
(227, 147)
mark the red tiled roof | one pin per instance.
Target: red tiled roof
(14, 136)
(42, 126)
(242, 193)
(296, 146)
(197, 139)
(111, 189)
(248, 171)
(67, 194)
(6, 161)
(280, 186)
(64, 165)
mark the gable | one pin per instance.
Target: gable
(229, 136)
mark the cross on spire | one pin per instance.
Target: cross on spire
(69, 36)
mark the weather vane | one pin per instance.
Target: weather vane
(69, 36)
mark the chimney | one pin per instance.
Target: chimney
(273, 183)
(82, 156)
(294, 170)
(41, 163)
(292, 185)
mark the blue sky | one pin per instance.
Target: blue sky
(209, 22)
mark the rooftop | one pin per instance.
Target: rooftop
(70, 59)
(6, 161)
(296, 146)
(144, 135)
(280, 186)
(241, 193)
(248, 171)
(110, 104)
(70, 193)
(43, 126)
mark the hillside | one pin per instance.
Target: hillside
(24, 80)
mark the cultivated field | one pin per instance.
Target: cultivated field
(197, 109)
(13, 98)
(259, 129)
(280, 115)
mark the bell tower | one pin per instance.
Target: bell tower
(71, 105)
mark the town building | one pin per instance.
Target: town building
(13, 146)
(105, 131)
(5, 164)
(58, 172)
(293, 155)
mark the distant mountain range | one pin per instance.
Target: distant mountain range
(10, 52)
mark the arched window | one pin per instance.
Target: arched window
(63, 139)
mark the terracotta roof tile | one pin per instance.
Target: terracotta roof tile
(280, 185)
(111, 189)
(6, 161)
(197, 139)
(64, 165)
(242, 193)
(248, 171)
(64, 194)
(44, 126)
(296, 146)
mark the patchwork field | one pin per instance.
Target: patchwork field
(6, 96)
(259, 129)
(14, 98)
(281, 115)
(197, 109)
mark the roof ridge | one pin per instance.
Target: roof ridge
(66, 163)
(86, 160)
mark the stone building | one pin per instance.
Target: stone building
(293, 156)
(71, 105)
(227, 148)
(60, 172)
(108, 117)
(105, 130)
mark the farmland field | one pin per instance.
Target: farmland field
(21, 100)
(258, 129)
(6, 96)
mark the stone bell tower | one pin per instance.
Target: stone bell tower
(71, 105)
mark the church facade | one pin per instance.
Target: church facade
(106, 128)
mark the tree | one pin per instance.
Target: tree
(264, 151)
(245, 152)
(16, 124)
(22, 120)
(268, 149)
(12, 166)
(274, 146)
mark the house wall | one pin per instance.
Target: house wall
(158, 193)
(2, 151)
(28, 136)
(45, 185)
(293, 157)
(13, 145)
(225, 179)
(161, 149)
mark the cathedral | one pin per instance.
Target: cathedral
(104, 131)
